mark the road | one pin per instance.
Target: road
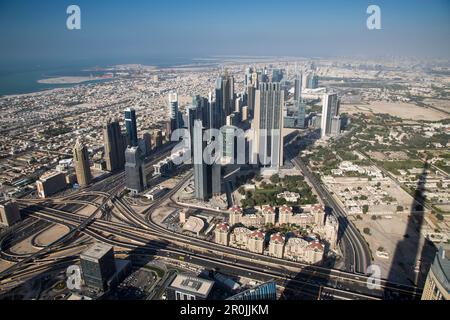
(138, 233)
(356, 252)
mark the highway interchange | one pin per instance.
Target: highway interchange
(137, 234)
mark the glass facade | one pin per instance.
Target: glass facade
(265, 291)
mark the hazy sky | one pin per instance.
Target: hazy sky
(131, 30)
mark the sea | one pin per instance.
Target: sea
(20, 78)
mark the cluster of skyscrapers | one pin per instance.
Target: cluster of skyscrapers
(262, 102)
(121, 150)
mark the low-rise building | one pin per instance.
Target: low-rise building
(187, 287)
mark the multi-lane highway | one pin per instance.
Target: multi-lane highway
(356, 252)
(138, 233)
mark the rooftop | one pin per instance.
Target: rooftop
(193, 284)
(96, 251)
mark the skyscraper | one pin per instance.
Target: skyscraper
(201, 103)
(130, 124)
(98, 266)
(200, 167)
(115, 144)
(134, 170)
(207, 175)
(268, 124)
(298, 87)
(301, 109)
(224, 96)
(330, 109)
(277, 75)
(81, 163)
(174, 115)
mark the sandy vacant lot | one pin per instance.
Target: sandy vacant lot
(404, 252)
(51, 234)
(398, 109)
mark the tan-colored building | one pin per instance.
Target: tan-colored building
(437, 285)
(329, 232)
(314, 252)
(81, 163)
(9, 213)
(284, 214)
(256, 242)
(276, 245)
(298, 249)
(319, 214)
(239, 238)
(269, 214)
(222, 234)
(235, 215)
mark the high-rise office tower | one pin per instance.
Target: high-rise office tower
(157, 138)
(335, 126)
(173, 111)
(224, 96)
(314, 82)
(81, 163)
(134, 170)
(268, 124)
(277, 75)
(251, 90)
(98, 266)
(305, 80)
(207, 171)
(298, 87)
(229, 143)
(130, 124)
(202, 105)
(145, 144)
(200, 167)
(248, 76)
(330, 109)
(301, 113)
(215, 114)
(115, 144)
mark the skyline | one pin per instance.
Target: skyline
(114, 32)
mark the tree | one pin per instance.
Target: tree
(275, 179)
(241, 190)
(365, 208)
(440, 217)
(399, 208)
(366, 231)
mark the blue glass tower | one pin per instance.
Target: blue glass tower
(130, 124)
(265, 291)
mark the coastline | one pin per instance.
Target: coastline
(68, 80)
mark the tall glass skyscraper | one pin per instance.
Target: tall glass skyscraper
(268, 124)
(174, 115)
(224, 97)
(115, 144)
(130, 124)
(134, 170)
(330, 109)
